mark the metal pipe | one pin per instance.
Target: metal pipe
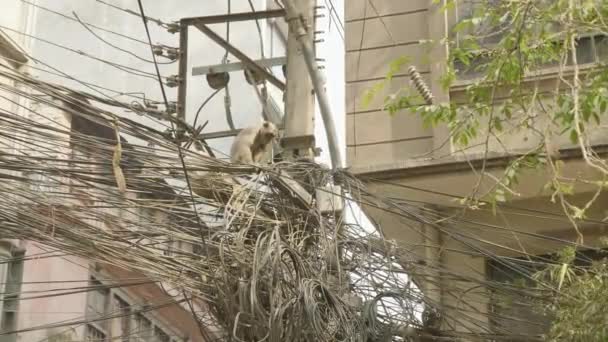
(183, 72)
(318, 81)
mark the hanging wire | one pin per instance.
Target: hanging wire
(227, 99)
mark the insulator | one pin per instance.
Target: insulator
(172, 81)
(171, 107)
(172, 53)
(157, 50)
(257, 78)
(150, 104)
(318, 41)
(422, 88)
(218, 80)
(173, 28)
(284, 68)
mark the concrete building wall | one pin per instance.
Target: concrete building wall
(398, 157)
(377, 34)
(375, 37)
(45, 271)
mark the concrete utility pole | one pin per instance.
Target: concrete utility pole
(298, 139)
(303, 33)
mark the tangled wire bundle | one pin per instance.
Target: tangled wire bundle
(242, 241)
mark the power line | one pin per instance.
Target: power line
(334, 14)
(117, 92)
(179, 148)
(118, 66)
(134, 13)
(114, 46)
(65, 16)
(203, 105)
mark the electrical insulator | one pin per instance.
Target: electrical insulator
(424, 91)
(172, 53)
(257, 78)
(173, 28)
(284, 68)
(150, 104)
(157, 50)
(218, 80)
(172, 107)
(172, 81)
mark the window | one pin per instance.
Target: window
(142, 328)
(97, 307)
(515, 312)
(92, 334)
(160, 335)
(121, 325)
(169, 246)
(97, 303)
(12, 290)
(591, 48)
(469, 9)
(128, 326)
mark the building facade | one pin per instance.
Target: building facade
(46, 295)
(399, 157)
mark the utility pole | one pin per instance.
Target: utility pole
(298, 139)
(303, 33)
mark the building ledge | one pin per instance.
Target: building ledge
(462, 163)
(10, 50)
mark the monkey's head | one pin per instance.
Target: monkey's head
(268, 132)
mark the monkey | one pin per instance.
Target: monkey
(252, 143)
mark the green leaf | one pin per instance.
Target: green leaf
(562, 275)
(573, 136)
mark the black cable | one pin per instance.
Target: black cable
(179, 147)
(203, 105)
(227, 100)
(154, 20)
(124, 68)
(65, 16)
(160, 81)
(112, 45)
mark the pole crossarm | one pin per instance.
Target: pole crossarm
(224, 18)
(241, 56)
(218, 68)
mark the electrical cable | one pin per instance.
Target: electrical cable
(134, 13)
(124, 68)
(179, 148)
(65, 16)
(227, 99)
(112, 45)
(209, 98)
